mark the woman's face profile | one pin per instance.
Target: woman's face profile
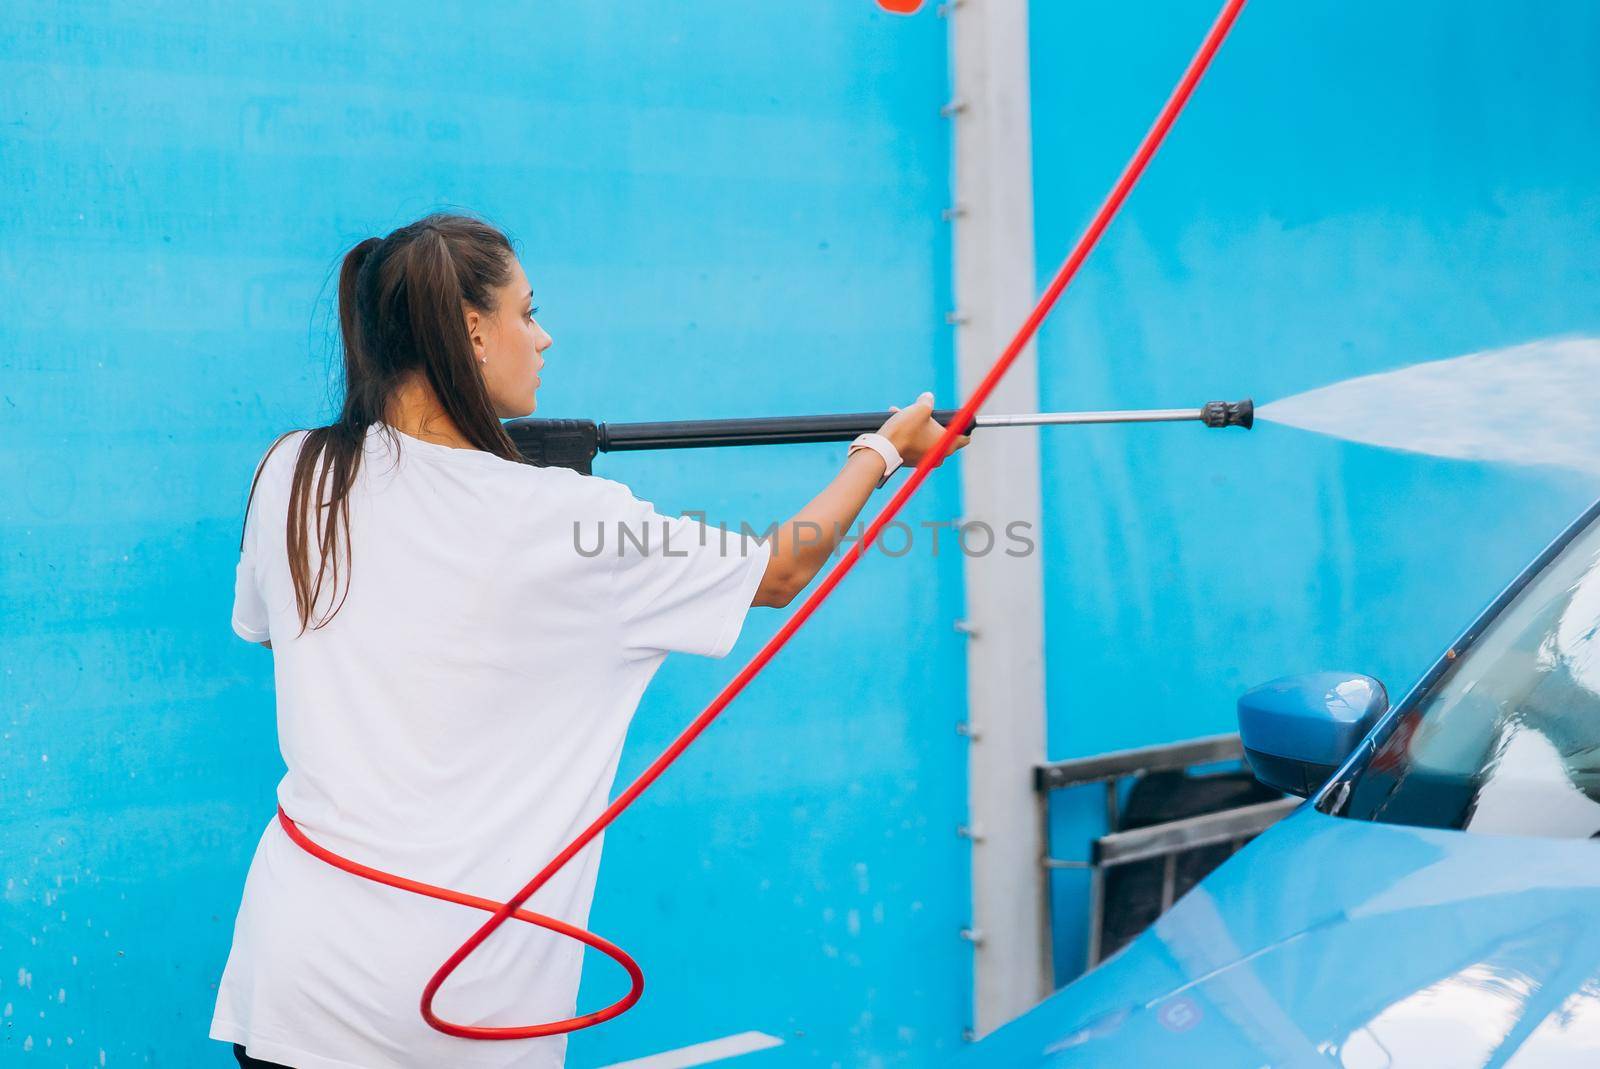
(509, 346)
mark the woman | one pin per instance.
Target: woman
(456, 665)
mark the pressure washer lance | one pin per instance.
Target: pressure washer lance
(573, 443)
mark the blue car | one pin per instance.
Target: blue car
(1435, 902)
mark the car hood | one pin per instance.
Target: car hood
(1329, 941)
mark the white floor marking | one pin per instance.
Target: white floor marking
(702, 1053)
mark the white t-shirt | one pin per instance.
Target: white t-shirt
(458, 722)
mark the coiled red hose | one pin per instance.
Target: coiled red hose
(511, 909)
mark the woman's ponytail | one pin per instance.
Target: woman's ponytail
(350, 325)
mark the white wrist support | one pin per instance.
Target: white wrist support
(883, 447)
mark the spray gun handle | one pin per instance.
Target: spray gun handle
(556, 443)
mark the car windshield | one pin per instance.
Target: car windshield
(1507, 742)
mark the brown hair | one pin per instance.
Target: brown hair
(400, 312)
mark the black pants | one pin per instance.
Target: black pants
(254, 1063)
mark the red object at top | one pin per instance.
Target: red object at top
(900, 7)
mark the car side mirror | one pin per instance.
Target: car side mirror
(1299, 729)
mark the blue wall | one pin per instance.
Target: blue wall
(725, 209)
(1356, 187)
(730, 210)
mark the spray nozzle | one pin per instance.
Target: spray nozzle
(1229, 413)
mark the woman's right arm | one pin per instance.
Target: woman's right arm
(803, 545)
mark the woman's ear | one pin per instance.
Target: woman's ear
(474, 324)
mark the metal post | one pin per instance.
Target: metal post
(1097, 910)
(995, 289)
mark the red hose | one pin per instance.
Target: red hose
(504, 911)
